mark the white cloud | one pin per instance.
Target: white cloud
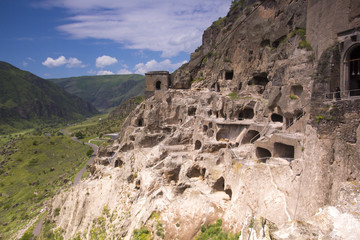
(50, 62)
(104, 72)
(124, 71)
(74, 62)
(162, 25)
(105, 61)
(153, 65)
(60, 61)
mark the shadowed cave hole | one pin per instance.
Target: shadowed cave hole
(284, 151)
(219, 185)
(196, 171)
(259, 79)
(250, 137)
(296, 90)
(263, 154)
(191, 111)
(229, 75)
(118, 163)
(276, 117)
(247, 113)
(205, 128)
(197, 145)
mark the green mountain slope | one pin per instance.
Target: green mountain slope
(29, 101)
(106, 91)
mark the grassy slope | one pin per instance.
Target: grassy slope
(34, 173)
(27, 101)
(104, 92)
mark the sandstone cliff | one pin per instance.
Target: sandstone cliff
(244, 135)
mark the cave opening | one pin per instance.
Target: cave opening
(284, 151)
(250, 137)
(247, 113)
(263, 154)
(277, 117)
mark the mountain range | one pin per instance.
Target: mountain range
(106, 91)
(28, 101)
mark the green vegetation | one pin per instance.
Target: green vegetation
(220, 23)
(215, 232)
(233, 96)
(142, 234)
(303, 44)
(27, 101)
(236, 3)
(319, 118)
(104, 92)
(293, 97)
(33, 169)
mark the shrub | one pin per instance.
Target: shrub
(142, 234)
(215, 231)
(90, 152)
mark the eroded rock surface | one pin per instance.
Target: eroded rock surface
(238, 137)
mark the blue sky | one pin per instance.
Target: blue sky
(65, 38)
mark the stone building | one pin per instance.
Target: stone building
(156, 81)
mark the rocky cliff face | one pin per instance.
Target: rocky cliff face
(241, 137)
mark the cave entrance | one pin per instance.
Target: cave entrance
(354, 72)
(229, 75)
(263, 154)
(247, 113)
(250, 137)
(261, 80)
(158, 85)
(284, 151)
(197, 145)
(296, 90)
(276, 118)
(229, 131)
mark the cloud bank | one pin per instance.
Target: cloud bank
(160, 25)
(104, 61)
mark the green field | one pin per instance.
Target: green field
(32, 170)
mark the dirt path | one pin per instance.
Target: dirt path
(77, 179)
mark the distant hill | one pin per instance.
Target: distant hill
(104, 92)
(28, 101)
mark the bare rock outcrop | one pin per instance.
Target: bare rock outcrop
(243, 135)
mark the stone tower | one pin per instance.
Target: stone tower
(156, 81)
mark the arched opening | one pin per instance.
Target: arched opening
(158, 85)
(250, 137)
(284, 151)
(261, 80)
(140, 122)
(354, 72)
(197, 145)
(276, 117)
(263, 154)
(247, 113)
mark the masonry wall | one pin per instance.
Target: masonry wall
(156, 81)
(326, 18)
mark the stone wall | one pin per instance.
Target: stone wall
(327, 18)
(155, 81)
